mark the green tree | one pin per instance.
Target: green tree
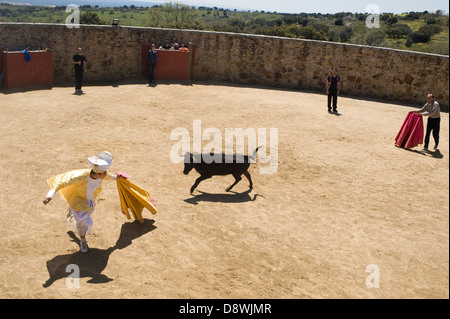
(346, 34)
(333, 35)
(398, 31)
(392, 20)
(373, 37)
(420, 37)
(430, 29)
(310, 32)
(409, 42)
(90, 17)
(339, 21)
(172, 15)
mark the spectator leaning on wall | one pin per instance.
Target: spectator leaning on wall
(165, 46)
(183, 48)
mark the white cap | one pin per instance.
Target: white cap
(101, 163)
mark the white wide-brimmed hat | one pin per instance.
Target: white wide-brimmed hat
(101, 162)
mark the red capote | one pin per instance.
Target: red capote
(411, 132)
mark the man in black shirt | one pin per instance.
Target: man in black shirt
(166, 46)
(79, 62)
(151, 58)
(333, 89)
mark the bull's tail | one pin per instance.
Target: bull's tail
(253, 157)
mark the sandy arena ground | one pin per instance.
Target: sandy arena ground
(343, 198)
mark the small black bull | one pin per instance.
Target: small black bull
(207, 170)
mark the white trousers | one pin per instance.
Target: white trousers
(83, 221)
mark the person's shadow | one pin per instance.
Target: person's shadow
(435, 154)
(234, 197)
(94, 262)
(335, 113)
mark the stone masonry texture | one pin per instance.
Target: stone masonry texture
(113, 54)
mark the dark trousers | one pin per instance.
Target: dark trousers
(78, 79)
(435, 126)
(151, 71)
(332, 95)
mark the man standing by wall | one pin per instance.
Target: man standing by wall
(333, 89)
(79, 62)
(151, 58)
(432, 110)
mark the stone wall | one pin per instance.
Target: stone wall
(114, 53)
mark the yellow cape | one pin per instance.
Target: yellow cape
(72, 187)
(134, 198)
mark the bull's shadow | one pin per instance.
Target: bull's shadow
(231, 197)
(94, 262)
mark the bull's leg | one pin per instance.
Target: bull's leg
(237, 180)
(247, 174)
(198, 180)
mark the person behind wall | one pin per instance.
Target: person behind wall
(27, 55)
(432, 110)
(79, 62)
(151, 58)
(174, 45)
(333, 89)
(165, 46)
(183, 48)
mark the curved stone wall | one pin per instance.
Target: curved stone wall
(113, 53)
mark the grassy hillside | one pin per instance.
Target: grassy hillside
(416, 31)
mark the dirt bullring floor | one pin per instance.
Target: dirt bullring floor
(343, 200)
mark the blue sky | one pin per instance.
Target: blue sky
(283, 6)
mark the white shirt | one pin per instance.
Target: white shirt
(92, 186)
(431, 109)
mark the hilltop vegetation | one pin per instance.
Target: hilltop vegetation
(417, 31)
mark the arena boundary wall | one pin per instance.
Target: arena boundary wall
(113, 53)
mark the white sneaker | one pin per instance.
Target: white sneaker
(83, 246)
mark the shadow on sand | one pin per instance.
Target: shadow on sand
(232, 197)
(435, 154)
(94, 262)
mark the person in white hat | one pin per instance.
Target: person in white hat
(80, 188)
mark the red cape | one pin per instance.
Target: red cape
(411, 132)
